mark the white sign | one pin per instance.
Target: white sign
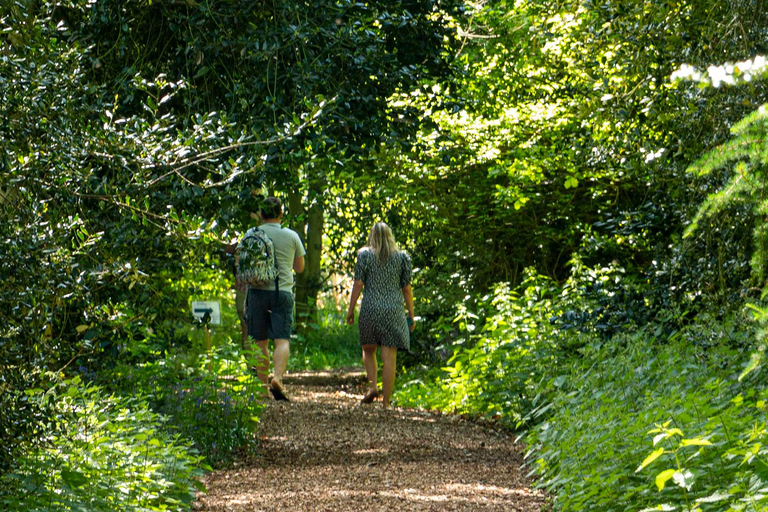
(200, 308)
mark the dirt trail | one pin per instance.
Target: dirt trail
(323, 451)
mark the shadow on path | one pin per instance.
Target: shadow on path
(323, 451)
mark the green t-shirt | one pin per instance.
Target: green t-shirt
(288, 246)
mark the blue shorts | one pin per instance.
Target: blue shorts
(269, 315)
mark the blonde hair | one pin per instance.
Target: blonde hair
(382, 242)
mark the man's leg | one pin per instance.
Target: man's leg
(257, 320)
(281, 325)
(280, 357)
(388, 364)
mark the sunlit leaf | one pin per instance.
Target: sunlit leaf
(650, 458)
(695, 442)
(663, 477)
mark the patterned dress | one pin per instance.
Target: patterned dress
(382, 318)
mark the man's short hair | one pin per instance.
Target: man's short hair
(271, 208)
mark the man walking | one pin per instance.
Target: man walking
(269, 313)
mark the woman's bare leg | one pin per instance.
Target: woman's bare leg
(388, 365)
(371, 366)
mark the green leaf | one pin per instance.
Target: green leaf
(663, 477)
(695, 442)
(755, 361)
(73, 478)
(663, 508)
(652, 457)
(683, 479)
(714, 498)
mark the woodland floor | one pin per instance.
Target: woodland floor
(323, 451)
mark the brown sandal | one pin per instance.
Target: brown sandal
(369, 397)
(278, 394)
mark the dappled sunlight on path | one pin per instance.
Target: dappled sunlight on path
(324, 452)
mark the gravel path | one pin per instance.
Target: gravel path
(323, 451)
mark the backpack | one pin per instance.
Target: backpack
(255, 259)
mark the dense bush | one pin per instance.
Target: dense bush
(634, 415)
(211, 401)
(505, 346)
(101, 453)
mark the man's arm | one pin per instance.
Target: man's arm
(298, 261)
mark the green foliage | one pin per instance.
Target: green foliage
(134, 133)
(334, 344)
(748, 151)
(506, 347)
(555, 129)
(211, 401)
(707, 426)
(101, 453)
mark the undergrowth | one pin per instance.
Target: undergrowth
(670, 416)
(101, 452)
(211, 400)
(329, 344)
(639, 424)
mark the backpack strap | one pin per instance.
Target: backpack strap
(277, 277)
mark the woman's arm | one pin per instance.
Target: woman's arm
(356, 289)
(408, 296)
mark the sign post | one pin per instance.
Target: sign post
(211, 308)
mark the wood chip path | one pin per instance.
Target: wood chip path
(323, 451)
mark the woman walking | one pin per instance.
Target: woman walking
(385, 273)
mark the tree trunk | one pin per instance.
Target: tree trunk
(309, 225)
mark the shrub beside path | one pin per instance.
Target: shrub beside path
(323, 451)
